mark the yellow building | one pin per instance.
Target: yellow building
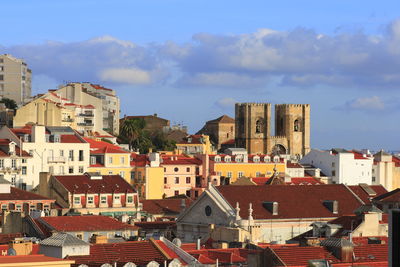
(147, 176)
(232, 167)
(109, 159)
(195, 144)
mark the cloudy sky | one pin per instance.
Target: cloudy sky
(191, 60)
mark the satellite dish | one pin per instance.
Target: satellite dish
(177, 242)
(11, 252)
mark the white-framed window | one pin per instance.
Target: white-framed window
(176, 180)
(267, 159)
(77, 200)
(1, 163)
(240, 174)
(3, 207)
(117, 199)
(238, 159)
(80, 169)
(129, 199)
(217, 159)
(122, 161)
(227, 159)
(24, 160)
(110, 172)
(18, 207)
(122, 174)
(256, 159)
(229, 174)
(92, 160)
(13, 180)
(61, 153)
(13, 163)
(219, 173)
(23, 170)
(71, 155)
(71, 169)
(103, 199)
(110, 160)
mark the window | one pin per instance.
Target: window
(92, 160)
(188, 169)
(373, 179)
(110, 160)
(333, 173)
(229, 174)
(4, 207)
(122, 174)
(18, 207)
(1, 163)
(80, 155)
(176, 192)
(61, 153)
(188, 180)
(79, 236)
(176, 180)
(117, 199)
(110, 173)
(296, 126)
(1, 77)
(132, 175)
(71, 169)
(90, 200)
(333, 164)
(24, 160)
(240, 174)
(165, 169)
(219, 173)
(256, 159)
(259, 124)
(23, 170)
(61, 169)
(165, 180)
(31, 152)
(103, 199)
(13, 163)
(129, 199)
(77, 200)
(71, 155)
(258, 174)
(80, 169)
(176, 169)
(122, 160)
(227, 159)
(217, 159)
(188, 193)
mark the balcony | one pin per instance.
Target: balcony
(85, 124)
(56, 159)
(67, 120)
(86, 114)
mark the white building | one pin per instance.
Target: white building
(342, 166)
(57, 150)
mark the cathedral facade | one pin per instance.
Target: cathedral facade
(292, 128)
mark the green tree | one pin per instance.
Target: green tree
(161, 142)
(131, 130)
(10, 103)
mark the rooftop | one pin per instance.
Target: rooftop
(19, 194)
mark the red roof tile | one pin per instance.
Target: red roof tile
(311, 204)
(84, 223)
(80, 184)
(138, 252)
(361, 193)
(27, 259)
(19, 194)
(70, 138)
(99, 87)
(101, 147)
(164, 206)
(179, 160)
(392, 196)
(139, 160)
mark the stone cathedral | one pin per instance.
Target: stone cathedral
(292, 128)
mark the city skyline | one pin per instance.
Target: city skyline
(190, 62)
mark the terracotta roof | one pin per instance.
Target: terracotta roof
(396, 161)
(222, 119)
(392, 196)
(81, 184)
(348, 222)
(156, 225)
(250, 159)
(230, 255)
(195, 139)
(30, 258)
(293, 181)
(4, 149)
(84, 223)
(138, 252)
(164, 206)
(296, 165)
(358, 155)
(6, 238)
(179, 160)
(70, 138)
(361, 193)
(139, 160)
(101, 147)
(19, 194)
(99, 87)
(311, 204)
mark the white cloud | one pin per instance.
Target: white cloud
(126, 76)
(227, 102)
(373, 103)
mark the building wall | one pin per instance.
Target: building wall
(114, 164)
(15, 79)
(154, 182)
(175, 179)
(40, 112)
(62, 252)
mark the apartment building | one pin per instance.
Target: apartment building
(15, 79)
(342, 166)
(75, 105)
(58, 150)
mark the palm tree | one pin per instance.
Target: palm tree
(131, 130)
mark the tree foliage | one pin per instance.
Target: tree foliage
(10, 103)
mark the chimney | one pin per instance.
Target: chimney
(98, 239)
(332, 205)
(38, 134)
(198, 247)
(271, 206)
(44, 184)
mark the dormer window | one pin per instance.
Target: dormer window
(56, 138)
(267, 159)
(26, 137)
(238, 159)
(189, 140)
(217, 159)
(276, 159)
(256, 159)
(227, 159)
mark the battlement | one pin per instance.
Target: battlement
(277, 137)
(253, 104)
(292, 105)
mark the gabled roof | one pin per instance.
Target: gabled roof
(101, 147)
(62, 240)
(179, 160)
(137, 252)
(164, 206)
(392, 196)
(4, 143)
(84, 223)
(19, 194)
(361, 191)
(196, 139)
(222, 119)
(311, 204)
(81, 184)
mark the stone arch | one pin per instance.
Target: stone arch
(279, 149)
(259, 125)
(296, 125)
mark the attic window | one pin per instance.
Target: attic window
(256, 159)
(227, 159)
(267, 159)
(217, 159)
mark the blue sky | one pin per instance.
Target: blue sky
(189, 61)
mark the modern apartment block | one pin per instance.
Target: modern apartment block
(76, 105)
(15, 79)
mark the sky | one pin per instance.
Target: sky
(189, 60)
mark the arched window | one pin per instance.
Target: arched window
(296, 126)
(259, 126)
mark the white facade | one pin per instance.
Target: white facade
(342, 167)
(51, 155)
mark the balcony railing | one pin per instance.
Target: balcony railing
(56, 159)
(85, 124)
(86, 114)
(67, 120)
